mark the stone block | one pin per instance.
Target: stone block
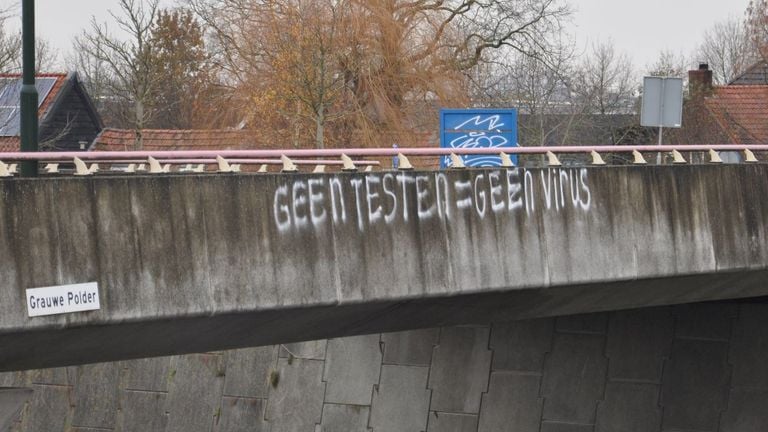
(549, 426)
(512, 403)
(749, 347)
(460, 369)
(747, 411)
(449, 422)
(704, 321)
(311, 350)
(345, 418)
(48, 410)
(151, 374)
(14, 379)
(574, 378)
(53, 376)
(193, 397)
(629, 407)
(638, 342)
(587, 323)
(14, 404)
(96, 391)
(142, 411)
(695, 385)
(352, 368)
(401, 403)
(248, 371)
(242, 415)
(521, 345)
(296, 396)
(411, 348)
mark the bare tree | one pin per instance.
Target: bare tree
(606, 81)
(757, 26)
(184, 99)
(285, 60)
(129, 64)
(94, 75)
(46, 57)
(395, 58)
(669, 64)
(727, 49)
(10, 47)
(543, 92)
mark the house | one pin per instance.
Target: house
(730, 114)
(174, 139)
(581, 130)
(757, 74)
(67, 118)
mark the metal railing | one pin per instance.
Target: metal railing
(289, 160)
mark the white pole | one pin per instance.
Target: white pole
(661, 134)
(661, 116)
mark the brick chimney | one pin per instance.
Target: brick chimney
(700, 81)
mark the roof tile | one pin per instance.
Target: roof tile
(742, 112)
(166, 139)
(13, 143)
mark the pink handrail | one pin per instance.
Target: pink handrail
(244, 161)
(364, 152)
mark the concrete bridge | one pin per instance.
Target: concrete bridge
(199, 263)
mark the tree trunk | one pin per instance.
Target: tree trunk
(138, 144)
(296, 125)
(320, 128)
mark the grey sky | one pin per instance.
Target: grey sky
(641, 29)
(644, 28)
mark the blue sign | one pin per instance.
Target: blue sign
(476, 128)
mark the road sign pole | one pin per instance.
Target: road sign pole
(29, 131)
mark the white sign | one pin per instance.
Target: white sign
(662, 102)
(63, 299)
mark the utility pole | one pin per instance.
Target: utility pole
(28, 90)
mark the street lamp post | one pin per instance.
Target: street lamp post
(28, 91)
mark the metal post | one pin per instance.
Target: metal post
(661, 118)
(28, 91)
(395, 159)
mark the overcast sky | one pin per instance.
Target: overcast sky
(644, 28)
(641, 29)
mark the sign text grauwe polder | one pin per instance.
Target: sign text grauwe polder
(310, 202)
(63, 299)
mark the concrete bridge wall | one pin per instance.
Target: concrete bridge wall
(199, 263)
(693, 368)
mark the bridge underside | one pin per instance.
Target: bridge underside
(180, 335)
(694, 367)
(190, 264)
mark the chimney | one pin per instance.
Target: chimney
(700, 81)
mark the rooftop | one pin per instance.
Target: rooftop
(757, 74)
(48, 86)
(741, 112)
(169, 139)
